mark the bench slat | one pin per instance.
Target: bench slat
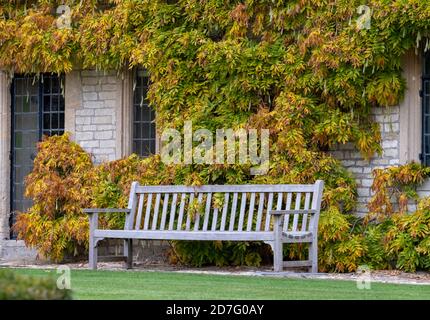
(181, 212)
(156, 209)
(233, 212)
(224, 211)
(132, 204)
(197, 221)
(207, 211)
(214, 219)
(279, 201)
(305, 216)
(242, 211)
(287, 207)
(173, 211)
(268, 215)
(148, 211)
(139, 212)
(251, 212)
(260, 212)
(297, 207)
(188, 223)
(185, 235)
(164, 213)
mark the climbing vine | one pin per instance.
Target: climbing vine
(304, 69)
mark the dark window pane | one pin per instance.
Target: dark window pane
(427, 144)
(46, 103)
(26, 104)
(152, 149)
(54, 121)
(427, 64)
(19, 86)
(55, 85)
(54, 103)
(61, 121)
(18, 139)
(136, 131)
(34, 104)
(46, 121)
(153, 135)
(137, 113)
(146, 114)
(18, 104)
(46, 82)
(143, 117)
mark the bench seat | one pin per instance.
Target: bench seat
(201, 235)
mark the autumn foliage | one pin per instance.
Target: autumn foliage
(301, 68)
(60, 186)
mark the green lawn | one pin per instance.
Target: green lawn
(102, 284)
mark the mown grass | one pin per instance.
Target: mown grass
(102, 284)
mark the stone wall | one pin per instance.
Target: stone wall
(389, 121)
(96, 128)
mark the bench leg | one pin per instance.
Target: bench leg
(128, 252)
(277, 244)
(92, 261)
(313, 256)
(277, 256)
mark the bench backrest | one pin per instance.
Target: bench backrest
(235, 208)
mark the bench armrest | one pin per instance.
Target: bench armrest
(282, 212)
(109, 210)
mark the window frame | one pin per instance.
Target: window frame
(425, 109)
(133, 121)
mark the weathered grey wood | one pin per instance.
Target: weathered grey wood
(293, 211)
(306, 207)
(224, 211)
(246, 188)
(139, 211)
(129, 253)
(132, 204)
(242, 211)
(287, 207)
(251, 212)
(173, 211)
(233, 211)
(277, 244)
(190, 204)
(214, 220)
(268, 215)
(279, 201)
(108, 210)
(297, 263)
(260, 212)
(181, 212)
(147, 211)
(276, 237)
(313, 224)
(93, 219)
(155, 217)
(297, 234)
(197, 220)
(186, 235)
(297, 207)
(164, 212)
(207, 211)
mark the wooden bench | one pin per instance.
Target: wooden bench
(274, 214)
